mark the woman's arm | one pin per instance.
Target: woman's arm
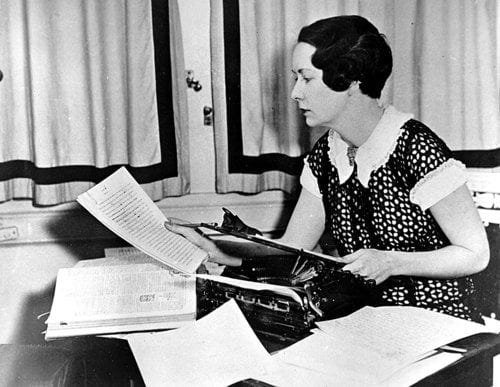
(304, 229)
(307, 223)
(468, 253)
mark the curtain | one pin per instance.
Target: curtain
(88, 86)
(445, 56)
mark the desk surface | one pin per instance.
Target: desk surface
(110, 361)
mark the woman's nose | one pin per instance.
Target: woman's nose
(296, 92)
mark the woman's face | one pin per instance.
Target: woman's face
(320, 105)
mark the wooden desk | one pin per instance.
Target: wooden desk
(475, 368)
(93, 361)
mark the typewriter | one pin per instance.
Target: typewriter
(324, 289)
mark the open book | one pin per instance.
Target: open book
(110, 295)
(121, 204)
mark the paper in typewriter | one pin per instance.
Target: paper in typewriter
(120, 298)
(121, 204)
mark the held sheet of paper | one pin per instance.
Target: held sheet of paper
(121, 204)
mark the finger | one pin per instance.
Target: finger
(353, 256)
(177, 221)
(379, 279)
(187, 232)
(353, 267)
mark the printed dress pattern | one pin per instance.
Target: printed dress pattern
(383, 217)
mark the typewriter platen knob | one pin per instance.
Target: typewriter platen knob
(311, 297)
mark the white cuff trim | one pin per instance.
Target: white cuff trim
(438, 184)
(309, 181)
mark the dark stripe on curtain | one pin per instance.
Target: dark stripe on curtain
(237, 161)
(168, 165)
(479, 158)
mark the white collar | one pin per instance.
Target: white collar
(374, 152)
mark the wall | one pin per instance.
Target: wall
(56, 237)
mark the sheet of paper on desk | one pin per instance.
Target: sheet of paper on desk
(333, 360)
(121, 204)
(219, 349)
(374, 343)
(419, 370)
(399, 333)
(336, 357)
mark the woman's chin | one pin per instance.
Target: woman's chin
(311, 122)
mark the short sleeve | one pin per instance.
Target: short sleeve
(435, 173)
(308, 181)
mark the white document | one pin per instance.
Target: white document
(400, 334)
(121, 204)
(419, 370)
(120, 298)
(355, 367)
(372, 344)
(217, 350)
(121, 251)
(336, 357)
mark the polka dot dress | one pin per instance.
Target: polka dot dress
(383, 217)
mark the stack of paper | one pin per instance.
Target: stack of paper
(109, 297)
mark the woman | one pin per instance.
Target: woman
(382, 184)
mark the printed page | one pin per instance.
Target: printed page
(121, 204)
(401, 334)
(121, 251)
(218, 350)
(419, 370)
(339, 358)
(109, 293)
(347, 366)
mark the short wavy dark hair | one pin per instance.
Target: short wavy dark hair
(349, 48)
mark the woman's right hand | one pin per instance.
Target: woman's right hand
(202, 241)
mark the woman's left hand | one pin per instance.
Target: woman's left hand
(372, 264)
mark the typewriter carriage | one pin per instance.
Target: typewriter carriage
(326, 291)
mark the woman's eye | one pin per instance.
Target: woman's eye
(307, 79)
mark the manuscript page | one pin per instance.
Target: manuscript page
(121, 204)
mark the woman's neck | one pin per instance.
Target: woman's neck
(360, 119)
